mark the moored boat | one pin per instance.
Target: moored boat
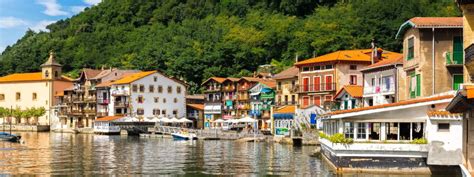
(9, 137)
(184, 136)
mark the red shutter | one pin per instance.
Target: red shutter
(305, 84)
(305, 101)
(317, 83)
(329, 82)
(317, 100)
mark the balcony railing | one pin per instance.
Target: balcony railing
(243, 87)
(119, 92)
(213, 89)
(242, 97)
(323, 87)
(102, 114)
(286, 103)
(469, 53)
(454, 59)
(103, 101)
(228, 88)
(379, 89)
(90, 99)
(120, 104)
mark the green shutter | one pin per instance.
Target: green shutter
(410, 89)
(346, 104)
(353, 103)
(418, 85)
(457, 50)
(457, 81)
(411, 48)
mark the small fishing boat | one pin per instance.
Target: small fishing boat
(9, 137)
(183, 135)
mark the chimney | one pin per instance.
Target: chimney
(372, 53)
(296, 58)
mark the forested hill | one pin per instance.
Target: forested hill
(195, 39)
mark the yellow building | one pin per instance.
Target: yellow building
(38, 89)
(286, 89)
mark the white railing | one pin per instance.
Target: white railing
(381, 149)
(379, 89)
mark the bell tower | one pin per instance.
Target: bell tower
(50, 69)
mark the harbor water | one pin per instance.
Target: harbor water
(87, 154)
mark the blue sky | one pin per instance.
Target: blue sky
(16, 16)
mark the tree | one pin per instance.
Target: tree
(36, 113)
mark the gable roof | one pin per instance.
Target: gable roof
(217, 79)
(27, 77)
(289, 73)
(196, 106)
(361, 55)
(401, 103)
(269, 83)
(251, 79)
(430, 22)
(355, 91)
(385, 62)
(133, 77)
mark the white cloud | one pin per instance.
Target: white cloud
(52, 7)
(41, 25)
(11, 22)
(92, 2)
(77, 9)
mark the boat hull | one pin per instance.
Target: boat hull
(9, 137)
(178, 136)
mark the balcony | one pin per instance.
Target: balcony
(89, 111)
(284, 103)
(78, 99)
(243, 107)
(230, 97)
(90, 99)
(469, 53)
(454, 59)
(193, 115)
(102, 114)
(103, 101)
(119, 93)
(228, 89)
(242, 97)
(384, 89)
(120, 104)
(77, 112)
(323, 87)
(243, 88)
(213, 89)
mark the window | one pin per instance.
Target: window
(134, 88)
(163, 112)
(160, 89)
(35, 96)
(374, 131)
(329, 83)
(328, 98)
(56, 75)
(457, 81)
(151, 88)
(140, 111)
(170, 89)
(361, 130)
(387, 83)
(317, 68)
(415, 85)
(175, 112)
(353, 80)
(140, 99)
(279, 86)
(328, 66)
(2, 97)
(157, 99)
(349, 130)
(18, 96)
(305, 69)
(46, 74)
(305, 101)
(391, 130)
(317, 100)
(353, 67)
(164, 100)
(155, 78)
(178, 89)
(305, 84)
(156, 112)
(175, 100)
(142, 88)
(411, 48)
(443, 127)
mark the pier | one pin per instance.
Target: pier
(206, 134)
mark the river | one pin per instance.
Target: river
(86, 154)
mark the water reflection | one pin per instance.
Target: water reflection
(70, 154)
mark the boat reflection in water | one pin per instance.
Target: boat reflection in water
(87, 154)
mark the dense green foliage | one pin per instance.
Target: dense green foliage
(196, 39)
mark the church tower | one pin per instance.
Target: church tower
(50, 69)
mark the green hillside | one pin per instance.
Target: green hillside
(196, 39)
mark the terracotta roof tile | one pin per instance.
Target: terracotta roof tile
(26, 77)
(356, 91)
(108, 118)
(252, 79)
(470, 91)
(286, 110)
(363, 55)
(133, 77)
(217, 79)
(385, 62)
(407, 102)
(429, 22)
(196, 106)
(269, 83)
(289, 73)
(442, 113)
(195, 96)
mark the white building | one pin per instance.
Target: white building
(349, 97)
(382, 80)
(392, 132)
(147, 94)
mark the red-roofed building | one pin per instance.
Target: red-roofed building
(349, 97)
(433, 55)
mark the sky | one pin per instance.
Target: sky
(16, 16)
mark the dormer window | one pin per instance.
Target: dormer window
(46, 74)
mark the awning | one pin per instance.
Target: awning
(283, 116)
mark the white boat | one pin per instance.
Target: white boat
(184, 136)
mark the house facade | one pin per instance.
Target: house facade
(319, 78)
(433, 55)
(148, 94)
(38, 90)
(262, 98)
(349, 97)
(287, 87)
(384, 82)
(212, 100)
(243, 96)
(229, 93)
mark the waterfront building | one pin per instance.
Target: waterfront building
(262, 98)
(384, 82)
(37, 89)
(229, 93)
(212, 100)
(243, 98)
(147, 94)
(286, 88)
(283, 120)
(349, 97)
(433, 55)
(84, 101)
(415, 133)
(319, 78)
(195, 109)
